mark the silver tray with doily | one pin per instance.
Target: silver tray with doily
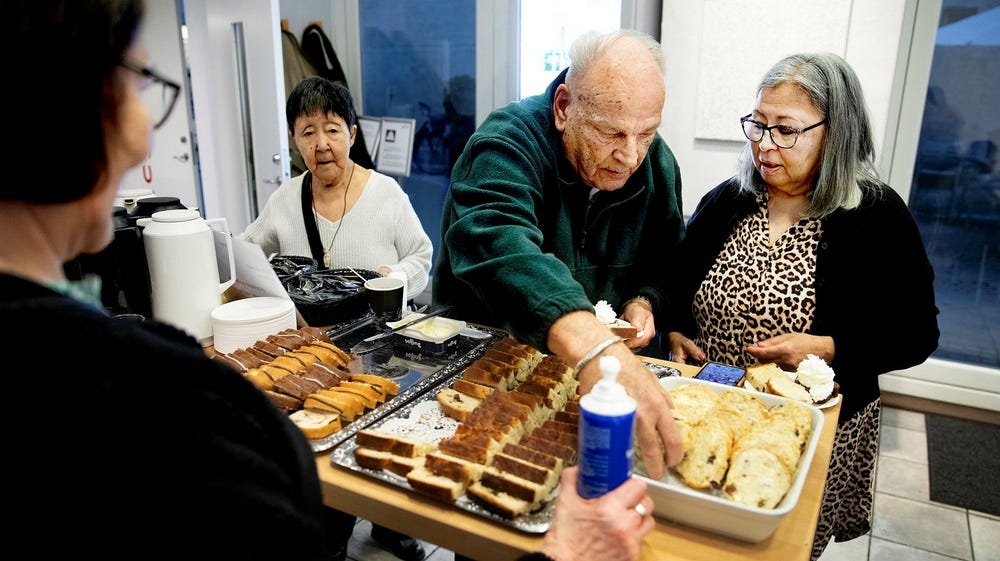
(414, 373)
(423, 419)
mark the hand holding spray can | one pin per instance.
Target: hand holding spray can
(605, 433)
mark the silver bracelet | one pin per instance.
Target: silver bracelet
(642, 299)
(600, 348)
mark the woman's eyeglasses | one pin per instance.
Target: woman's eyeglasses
(159, 93)
(782, 136)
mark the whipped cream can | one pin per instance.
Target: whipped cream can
(605, 451)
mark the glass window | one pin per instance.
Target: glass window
(955, 195)
(548, 27)
(418, 60)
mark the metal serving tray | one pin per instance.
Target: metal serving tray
(423, 419)
(414, 373)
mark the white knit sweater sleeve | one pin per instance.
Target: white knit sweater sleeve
(280, 228)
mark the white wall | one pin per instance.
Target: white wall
(872, 48)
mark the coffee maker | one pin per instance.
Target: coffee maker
(122, 267)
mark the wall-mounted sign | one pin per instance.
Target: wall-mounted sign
(395, 149)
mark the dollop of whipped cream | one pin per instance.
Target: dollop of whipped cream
(817, 376)
(605, 313)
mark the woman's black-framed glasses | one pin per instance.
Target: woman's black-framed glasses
(783, 136)
(159, 92)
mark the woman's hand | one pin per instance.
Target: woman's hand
(788, 350)
(608, 528)
(681, 348)
(640, 314)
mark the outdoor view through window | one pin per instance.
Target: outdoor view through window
(955, 194)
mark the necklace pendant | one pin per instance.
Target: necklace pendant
(327, 259)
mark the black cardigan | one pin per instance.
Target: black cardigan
(874, 284)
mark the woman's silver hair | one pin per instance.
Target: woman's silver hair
(847, 161)
(589, 46)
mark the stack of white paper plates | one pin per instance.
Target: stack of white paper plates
(241, 323)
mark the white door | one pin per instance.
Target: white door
(237, 87)
(169, 170)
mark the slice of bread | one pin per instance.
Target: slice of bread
(692, 402)
(757, 478)
(566, 453)
(478, 448)
(388, 387)
(542, 459)
(372, 459)
(520, 364)
(322, 354)
(350, 405)
(296, 386)
(383, 460)
(525, 470)
(325, 378)
(623, 328)
(471, 389)
(274, 372)
(758, 375)
(784, 386)
(283, 401)
(497, 502)
(513, 485)
(344, 357)
(706, 454)
(368, 394)
(305, 359)
(456, 405)
(397, 444)
(402, 466)
(798, 414)
(453, 467)
(476, 373)
(370, 390)
(316, 424)
(437, 486)
(777, 435)
(744, 403)
(258, 378)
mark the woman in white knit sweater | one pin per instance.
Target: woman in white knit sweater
(342, 215)
(363, 218)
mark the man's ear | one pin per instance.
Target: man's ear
(560, 103)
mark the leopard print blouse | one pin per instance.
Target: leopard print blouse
(755, 290)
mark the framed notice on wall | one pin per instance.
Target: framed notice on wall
(395, 151)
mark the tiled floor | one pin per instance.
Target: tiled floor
(907, 526)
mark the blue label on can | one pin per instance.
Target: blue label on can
(605, 452)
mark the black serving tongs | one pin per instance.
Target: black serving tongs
(382, 339)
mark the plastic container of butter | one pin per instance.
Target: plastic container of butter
(437, 336)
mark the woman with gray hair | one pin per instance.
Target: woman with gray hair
(805, 251)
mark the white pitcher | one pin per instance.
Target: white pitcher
(184, 271)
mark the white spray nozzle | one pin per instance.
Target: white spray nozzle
(610, 366)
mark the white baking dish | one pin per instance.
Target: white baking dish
(711, 510)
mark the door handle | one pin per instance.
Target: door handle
(181, 157)
(275, 181)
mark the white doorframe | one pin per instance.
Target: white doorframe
(212, 59)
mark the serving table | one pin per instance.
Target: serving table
(479, 538)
